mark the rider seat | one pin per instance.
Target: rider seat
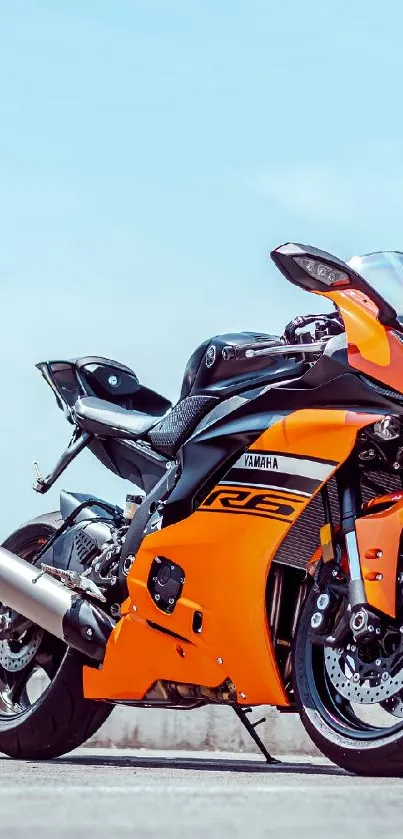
(104, 418)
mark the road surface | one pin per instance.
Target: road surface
(108, 794)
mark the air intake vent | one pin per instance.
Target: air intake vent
(84, 547)
(302, 539)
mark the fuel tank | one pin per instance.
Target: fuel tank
(220, 365)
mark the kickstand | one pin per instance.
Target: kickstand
(242, 714)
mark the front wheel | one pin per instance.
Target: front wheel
(350, 699)
(43, 713)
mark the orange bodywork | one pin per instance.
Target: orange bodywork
(378, 536)
(225, 548)
(373, 348)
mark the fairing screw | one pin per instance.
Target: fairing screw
(219, 660)
(243, 695)
(157, 597)
(316, 620)
(171, 601)
(134, 608)
(379, 577)
(379, 554)
(323, 602)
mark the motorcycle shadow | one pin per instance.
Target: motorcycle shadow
(200, 764)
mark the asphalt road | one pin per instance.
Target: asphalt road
(101, 793)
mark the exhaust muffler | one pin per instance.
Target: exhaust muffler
(53, 606)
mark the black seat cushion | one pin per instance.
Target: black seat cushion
(109, 420)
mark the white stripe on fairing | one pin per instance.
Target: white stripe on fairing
(286, 464)
(266, 486)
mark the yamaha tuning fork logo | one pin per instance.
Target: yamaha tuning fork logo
(210, 355)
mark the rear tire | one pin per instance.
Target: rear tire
(61, 719)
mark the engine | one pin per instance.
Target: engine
(89, 550)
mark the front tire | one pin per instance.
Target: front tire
(60, 719)
(353, 744)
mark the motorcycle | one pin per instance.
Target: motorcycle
(259, 563)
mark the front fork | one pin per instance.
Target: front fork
(363, 621)
(358, 617)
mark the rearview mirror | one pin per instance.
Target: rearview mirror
(316, 270)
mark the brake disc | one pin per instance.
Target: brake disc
(15, 656)
(394, 705)
(365, 683)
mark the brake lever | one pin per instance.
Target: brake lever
(236, 354)
(233, 353)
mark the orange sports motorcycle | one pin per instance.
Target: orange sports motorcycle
(261, 561)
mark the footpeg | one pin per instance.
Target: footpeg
(71, 579)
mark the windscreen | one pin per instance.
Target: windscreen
(384, 272)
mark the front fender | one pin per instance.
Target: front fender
(379, 536)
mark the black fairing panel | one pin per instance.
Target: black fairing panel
(116, 383)
(216, 368)
(76, 548)
(129, 461)
(69, 501)
(192, 368)
(103, 378)
(214, 447)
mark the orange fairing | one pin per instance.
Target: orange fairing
(225, 548)
(373, 348)
(378, 536)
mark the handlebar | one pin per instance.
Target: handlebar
(289, 349)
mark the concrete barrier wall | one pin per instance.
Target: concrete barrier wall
(212, 727)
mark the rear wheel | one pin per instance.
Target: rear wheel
(43, 712)
(351, 697)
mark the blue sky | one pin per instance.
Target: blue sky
(151, 154)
